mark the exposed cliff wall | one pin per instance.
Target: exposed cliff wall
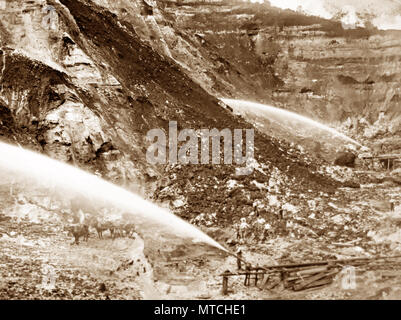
(89, 85)
(345, 78)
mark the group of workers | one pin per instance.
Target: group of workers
(260, 228)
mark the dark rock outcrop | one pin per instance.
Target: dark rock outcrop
(396, 176)
(345, 159)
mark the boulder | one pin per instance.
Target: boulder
(345, 159)
(396, 176)
(351, 184)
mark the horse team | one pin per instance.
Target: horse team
(114, 228)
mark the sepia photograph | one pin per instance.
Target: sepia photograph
(200, 150)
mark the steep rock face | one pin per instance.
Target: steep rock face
(136, 65)
(344, 78)
(55, 92)
(94, 88)
(353, 82)
(214, 42)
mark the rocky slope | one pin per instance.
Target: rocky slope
(345, 78)
(86, 88)
(84, 81)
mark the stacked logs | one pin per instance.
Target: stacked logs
(298, 276)
(309, 277)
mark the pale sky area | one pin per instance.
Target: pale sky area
(388, 12)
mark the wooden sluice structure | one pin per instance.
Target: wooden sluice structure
(391, 160)
(257, 277)
(297, 276)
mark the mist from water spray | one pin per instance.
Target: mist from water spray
(49, 172)
(241, 105)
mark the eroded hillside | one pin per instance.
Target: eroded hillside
(345, 78)
(88, 90)
(84, 81)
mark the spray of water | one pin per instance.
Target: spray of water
(243, 106)
(55, 173)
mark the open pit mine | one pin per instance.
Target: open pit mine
(200, 149)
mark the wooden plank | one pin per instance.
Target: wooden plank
(383, 157)
(309, 271)
(272, 285)
(287, 285)
(320, 283)
(313, 279)
(300, 279)
(225, 286)
(327, 262)
(316, 285)
(242, 273)
(390, 274)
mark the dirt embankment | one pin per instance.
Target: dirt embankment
(135, 65)
(346, 78)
